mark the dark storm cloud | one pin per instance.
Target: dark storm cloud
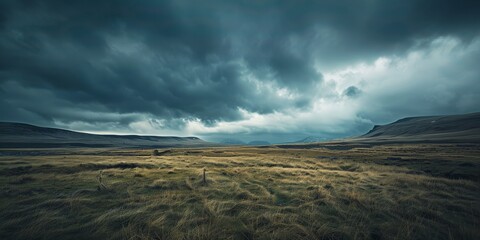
(67, 60)
(352, 91)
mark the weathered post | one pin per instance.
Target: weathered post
(204, 176)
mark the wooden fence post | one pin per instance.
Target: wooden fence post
(204, 176)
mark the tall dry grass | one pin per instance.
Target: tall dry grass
(382, 192)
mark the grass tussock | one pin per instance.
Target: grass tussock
(383, 192)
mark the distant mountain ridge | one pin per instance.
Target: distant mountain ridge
(258, 143)
(311, 139)
(231, 141)
(14, 135)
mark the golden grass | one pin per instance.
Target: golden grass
(382, 192)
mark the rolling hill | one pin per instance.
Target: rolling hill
(463, 128)
(20, 135)
(449, 128)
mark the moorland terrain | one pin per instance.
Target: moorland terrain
(362, 188)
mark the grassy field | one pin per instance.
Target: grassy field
(427, 191)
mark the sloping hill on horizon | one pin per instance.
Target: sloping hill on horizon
(464, 128)
(20, 135)
(449, 128)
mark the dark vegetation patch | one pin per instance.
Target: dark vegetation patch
(274, 164)
(17, 170)
(437, 167)
(394, 158)
(22, 180)
(267, 146)
(193, 152)
(161, 153)
(48, 168)
(29, 153)
(52, 145)
(122, 165)
(339, 147)
(63, 152)
(349, 167)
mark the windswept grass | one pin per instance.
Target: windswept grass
(380, 192)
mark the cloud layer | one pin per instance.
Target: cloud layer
(274, 70)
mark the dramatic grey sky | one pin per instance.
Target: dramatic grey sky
(249, 70)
